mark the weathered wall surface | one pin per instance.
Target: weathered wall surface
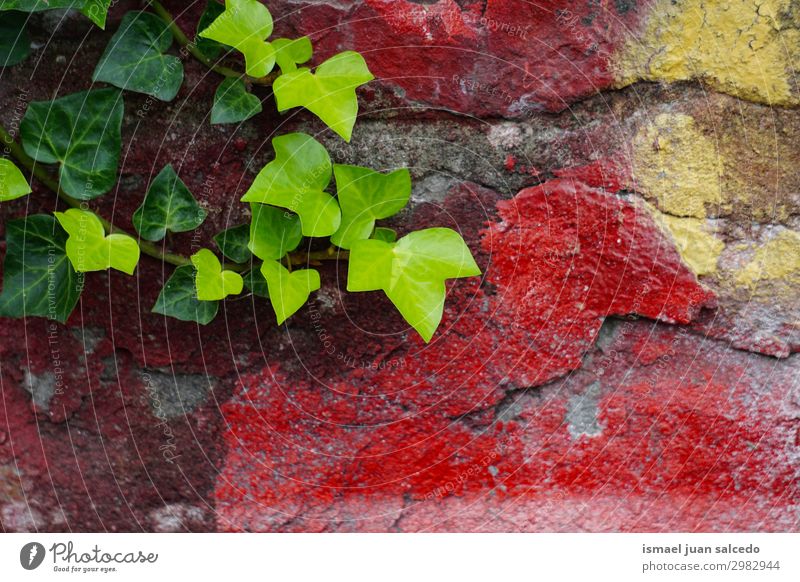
(626, 174)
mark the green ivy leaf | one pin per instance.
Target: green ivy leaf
(290, 53)
(88, 247)
(95, 10)
(233, 104)
(385, 234)
(168, 206)
(329, 92)
(13, 184)
(178, 299)
(256, 283)
(412, 272)
(210, 48)
(211, 282)
(82, 132)
(244, 25)
(38, 279)
(234, 242)
(273, 232)
(135, 58)
(296, 180)
(15, 44)
(365, 196)
(288, 292)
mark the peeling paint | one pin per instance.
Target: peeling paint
(677, 165)
(698, 248)
(582, 413)
(744, 48)
(777, 260)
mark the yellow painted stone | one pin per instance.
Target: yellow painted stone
(747, 48)
(777, 260)
(677, 165)
(699, 249)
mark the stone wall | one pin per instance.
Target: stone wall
(626, 174)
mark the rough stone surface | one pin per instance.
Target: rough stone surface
(628, 361)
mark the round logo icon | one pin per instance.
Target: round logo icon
(31, 555)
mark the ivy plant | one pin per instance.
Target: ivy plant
(245, 25)
(15, 45)
(233, 103)
(90, 249)
(168, 206)
(234, 243)
(136, 58)
(94, 10)
(329, 92)
(38, 278)
(72, 145)
(212, 282)
(178, 298)
(412, 272)
(290, 53)
(80, 132)
(296, 180)
(12, 182)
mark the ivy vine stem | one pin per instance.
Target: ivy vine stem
(186, 43)
(41, 174)
(148, 248)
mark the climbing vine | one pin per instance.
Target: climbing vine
(72, 146)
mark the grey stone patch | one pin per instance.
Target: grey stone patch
(19, 516)
(511, 406)
(41, 387)
(582, 413)
(176, 517)
(447, 147)
(607, 335)
(176, 395)
(58, 517)
(432, 188)
(89, 336)
(327, 301)
(506, 135)
(624, 6)
(110, 371)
